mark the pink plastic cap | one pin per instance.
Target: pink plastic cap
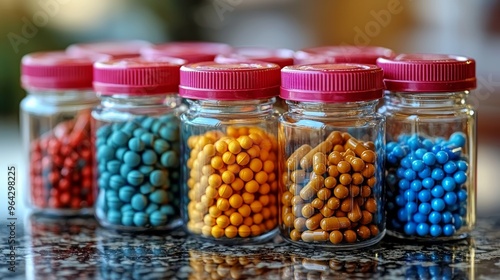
(238, 81)
(282, 57)
(137, 76)
(342, 54)
(192, 52)
(115, 50)
(56, 70)
(428, 73)
(331, 83)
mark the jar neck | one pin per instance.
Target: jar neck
(233, 107)
(124, 101)
(64, 97)
(431, 100)
(345, 109)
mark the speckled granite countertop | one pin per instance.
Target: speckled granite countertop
(50, 248)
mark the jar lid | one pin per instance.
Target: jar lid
(342, 54)
(137, 76)
(115, 50)
(282, 57)
(192, 52)
(331, 83)
(237, 81)
(56, 70)
(428, 73)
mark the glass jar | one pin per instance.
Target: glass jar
(55, 126)
(332, 156)
(137, 148)
(229, 144)
(431, 146)
(342, 54)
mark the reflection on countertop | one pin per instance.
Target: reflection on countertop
(55, 248)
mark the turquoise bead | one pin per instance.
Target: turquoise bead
(103, 131)
(120, 152)
(158, 196)
(125, 193)
(158, 178)
(114, 202)
(156, 126)
(151, 208)
(113, 166)
(105, 152)
(103, 181)
(116, 181)
(114, 217)
(166, 133)
(140, 219)
(146, 188)
(119, 138)
(147, 122)
(161, 146)
(131, 158)
(124, 170)
(128, 218)
(126, 208)
(139, 202)
(135, 144)
(169, 159)
(157, 218)
(138, 132)
(167, 210)
(135, 178)
(149, 157)
(146, 169)
(129, 127)
(148, 139)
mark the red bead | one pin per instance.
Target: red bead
(65, 198)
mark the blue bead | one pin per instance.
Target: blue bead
(124, 170)
(435, 217)
(156, 126)
(454, 153)
(160, 146)
(398, 152)
(422, 229)
(169, 133)
(105, 152)
(119, 138)
(140, 219)
(435, 230)
(116, 181)
(158, 178)
(170, 159)
(419, 218)
(410, 175)
(436, 148)
(416, 185)
(403, 215)
(411, 207)
(167, 210)
(462, 165)
(460, 177)
(390, 146)
(113, 166)
(458, 221)
(428, 183)
(437, 174)
(410, 228)
(128, 218)
(418, 165)
(448, 184)
(434, 270)
(400, 200)
(447, 217)
(158, 218)
(424, 195)
(448, 230)
(125, 193)
(390, 178)
(151, 208)
(414, 143)
(442, 157)
(159, 197)
(104, 131)
(410, 195)
(437, 191)
(427, 143)
(135, 144)
(437, 204)
(139, 202)
(149, 157)
(425, 173)
(126, 208)
(148, 139)
(114, 217)
(120, 152)
(450, 198)
(406, 162)
(135, 178)
(404, 184)
(114, 202)
(147, 122)
(458, 139)
(419, 153)
(450, 167)
(462, 211)
(403, 138)
(400, 172)
(424, 208)
(146, 188)
(131, 158)
(391, 158)
(138, 132)
(146, 169)
(462, 195)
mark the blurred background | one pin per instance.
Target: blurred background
(463, 27)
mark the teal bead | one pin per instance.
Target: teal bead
(126, 208)
(156, 126)
(158, 177)
(148, 139)
(135, 144)
(132, 159)
(147, 188)
(146, 169)
(104, 180)
(172, 135)
(103, 131)
(147, 123)
(157, 218)
(167, 210)
(114, 202)
(100, 142)
(161, 146)
(135, 178)
(151, 208)
(140, 219)
(159, 196)
(119, 138)
(120, 152)
(168, 118)
(125, 193)
(113, 166)
(105, 152)
(114, 217)
(124, 170)
(169, 159)
(128, 218)
(167, 133)
(116, 181)
(138, 132)
(139, 202)
(116, 126)
(101, 167)
(149, 157)
(129, 127)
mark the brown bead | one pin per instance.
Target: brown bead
(336, 237)
(346, 205)
(341, 191)
(363, 232)
(288, 220)
(339, 213)
(314, 222)
(339, 148)
(354, 190)
(295, 235)
(326, 212)
(318, 203)
(300, 224)
(307, 210)
(355, 214)
(296, 200)
(345, 179)
(350, 236)
(368, 156)
(334, 157)
(286, 199)
(333, 171)
(331, 182)
(344, 166)
(357, 164)
(319, 158)
(357, 178)
(369, 145)
(366, 191)
(319, 168)
(369, 170)
(324, 194)
(371, 182)
(373, 230)
(371, 205)
(366, 217)
(335, 137)
(333, 203)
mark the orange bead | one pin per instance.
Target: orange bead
(235, 201)
(258, 218)
(245, 142)
(242, 158)
(222, 204)
(217, 232)
(245, 210)
(254, 152)
(244, 231)
(246, 174)
(237, 184)
(264, 188)
(228, 158)
(222, 221)
(220, 147)
(209, 150)
(248, 221)
(256, 206)
(231, 231)
(216, 162)
(255, 165)
(255, 229)
(214, 211)
(261, 177)
(234, 147)
(225, 191)
(235, 168)
(236, 219)
(248, 197)
(268, 166)
(214, 180)
(228, 177)
(252, 186)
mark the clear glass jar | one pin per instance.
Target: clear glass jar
(229, 144)
(137, 148)
(431, 146)
(55, 127)
(331, 156)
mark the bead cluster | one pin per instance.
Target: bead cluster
(427, 195)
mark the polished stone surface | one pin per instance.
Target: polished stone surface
(55, 248)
